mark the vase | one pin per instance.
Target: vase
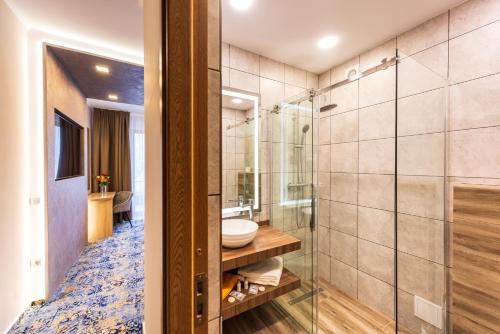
(104, 189)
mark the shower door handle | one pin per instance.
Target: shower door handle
(312, 222)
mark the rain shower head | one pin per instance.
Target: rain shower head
(328, 107)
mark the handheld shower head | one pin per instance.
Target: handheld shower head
(305, 128)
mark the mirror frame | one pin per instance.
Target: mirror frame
(256, 142)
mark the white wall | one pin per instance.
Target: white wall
(14, 243)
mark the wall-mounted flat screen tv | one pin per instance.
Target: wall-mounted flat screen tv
(68, 147)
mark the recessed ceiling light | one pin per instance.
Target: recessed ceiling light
(237, 101)
(113, 97)
(328, 42)
(102, 69)
(241, 4)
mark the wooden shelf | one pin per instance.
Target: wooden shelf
(268, 243)
(288, 282)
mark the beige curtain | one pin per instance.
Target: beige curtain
(111, 148)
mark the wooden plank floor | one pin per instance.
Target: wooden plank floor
(338, 314)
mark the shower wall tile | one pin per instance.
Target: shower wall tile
(272, 69)
(295, 76)
(376, 293)
(344, 277)
(475, 153)
(323, 185)
(344, 158)
(344, 127)
(324, 212)
(324, 132)
(421, 277)
(376, 191)
(271, 92)
(422, 237)
(343, 247)
(324, 79)
(345, 97)
(312, 80)
(324, 239)
(376, 226)
(243, 60)
(472, 15)
(225, 76)
(324, 158)
(344, 188)
(421, 196)
(424, 71)
(377, 156)
(407, 318)
(424, 36)
(472, 54)
(213, 35)
(374, 57)
(324, 266)
(339, 73)
(378, 121)
(377, 87)
(376, 260)
(244, 81)
(225, 54)
(292, 91)
(474, 104)
(344, 218)
(421, 155)
(422, 113)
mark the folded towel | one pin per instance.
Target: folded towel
(228, 282)
(267, 272)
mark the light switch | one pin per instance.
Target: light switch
(429, 312)
(34, 200)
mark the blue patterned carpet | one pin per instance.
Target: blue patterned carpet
(102, 293)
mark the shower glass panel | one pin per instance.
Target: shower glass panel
(422, 104)
(292, 197)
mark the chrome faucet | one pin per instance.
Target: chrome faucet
(244, 207)
(250, 208)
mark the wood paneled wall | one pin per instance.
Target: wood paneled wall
(475, 273)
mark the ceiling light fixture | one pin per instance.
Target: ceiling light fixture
(241, 4)
(237, 101)
(113, 97)
(102, 69)
(328, 42)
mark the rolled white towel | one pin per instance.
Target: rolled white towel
(267, 272)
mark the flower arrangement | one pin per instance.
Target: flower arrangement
(103, 181)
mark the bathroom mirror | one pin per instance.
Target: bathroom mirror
(240, 152)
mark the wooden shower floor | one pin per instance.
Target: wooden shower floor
(338, 314)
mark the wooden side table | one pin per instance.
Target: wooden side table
(100, 216)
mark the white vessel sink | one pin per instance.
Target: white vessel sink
(237, 233)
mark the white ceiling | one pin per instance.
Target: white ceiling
(288, 30)
(117, 23)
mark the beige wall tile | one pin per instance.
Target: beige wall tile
(344, 187)
(424, 71)
(474, 104)
(324, 158)
(343, 247)
(421, 277)
(272, 69)
(376, 226)
(376, 191)
(243, 60)
(472, 15)
(324, 132)
(377, 121)
(324, 239)
(214, 132)
(376, 260)
(324, 79)
(421, 237)
(475, 153)
(213, 34)
(343, 218)
(271, 92)
(377, 156)
(376, 293)
(295, 76)
(377, 87)
(344, 158)
(472, 54)
(312, 80)
(344, 277)
(422, 113)
(214, 256)
(244, 81)
(407, 318)
(225, 76)
(225, 54)
(339, 72)
(214, 326)
(375, 56)
(292, 92)
(344, 127)
(324, 212)
(421, 155)
(424, 36)
(421, 196)
(323, 185)
(324, 266)
(345, 97)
